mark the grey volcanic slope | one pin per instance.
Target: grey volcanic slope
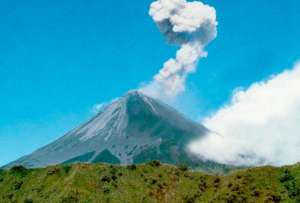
(132, 129)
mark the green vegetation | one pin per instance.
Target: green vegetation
(152, 182)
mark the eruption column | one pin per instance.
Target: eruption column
(191, 25)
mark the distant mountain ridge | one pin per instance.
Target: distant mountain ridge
(133, 129)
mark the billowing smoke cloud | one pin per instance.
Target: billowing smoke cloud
(192, 25)
(260, 126)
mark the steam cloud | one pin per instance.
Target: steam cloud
(192, 25)
(260, 126)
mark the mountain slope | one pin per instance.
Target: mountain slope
(132, 129)
(148, 183)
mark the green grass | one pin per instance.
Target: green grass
(152, 182)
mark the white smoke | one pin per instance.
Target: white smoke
(260, 126)
(192, 25)
(98, 107)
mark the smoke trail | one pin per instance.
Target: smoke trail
(192, 25)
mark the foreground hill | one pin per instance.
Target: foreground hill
(133, 129)
(150, 182)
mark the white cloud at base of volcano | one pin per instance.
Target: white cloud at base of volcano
(261, 124)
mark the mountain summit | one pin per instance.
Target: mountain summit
(133, 129)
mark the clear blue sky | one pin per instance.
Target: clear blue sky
(58, 58)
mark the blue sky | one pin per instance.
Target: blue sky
(59, 58)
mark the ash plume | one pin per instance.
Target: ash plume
(191, 25)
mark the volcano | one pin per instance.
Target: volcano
(133, 129)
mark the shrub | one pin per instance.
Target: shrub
(10, 195)
(1, 175)
(155, 163)
(67, 168)
(274, 198)
(113, 171)
(217, 180)
(71, 197)
(52, 171)
(256, 193)
(191, 199)
(106, 190)
(132, 167)
(114, 185)
(18, 170)
(202, 186)
(235, 188)
(290, 184)
(286, 176)
(232, 198)
(153, 181)
(28, 200)
(183, 168)
(114, 178)
(238, 176)
(106, 179)
(18, 185)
